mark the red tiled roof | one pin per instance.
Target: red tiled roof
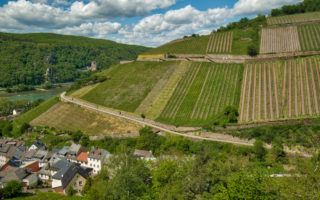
(83, 157)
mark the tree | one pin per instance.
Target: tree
(12, 189)
(252, 50)
(232, 114)
(250, 185)
(76, 136)
(85, 140)
(259, 150)
(127, 178)
(278, 152)
(149, 140)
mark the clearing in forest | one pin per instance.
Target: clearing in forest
(279, 40)
(64, 116)
(309, 35)
(128, 85)
(203, 93)
(280, 90)
(220, 42)
(162, 92)
(297, 18)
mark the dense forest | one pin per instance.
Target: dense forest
(25, 58)
(305, 6)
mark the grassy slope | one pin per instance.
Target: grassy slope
(185, 46)
(71, 117)
(203, 93)
(35, 112)
(128, 85)
(242, 38)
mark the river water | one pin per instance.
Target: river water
(33, 95)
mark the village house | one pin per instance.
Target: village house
(10, 149)
(37, 145)
(69, 174)
(145, 155)
(18, 174)
(96, 158)
(69, 166)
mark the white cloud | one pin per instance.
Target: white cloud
(260, 6)
(161, 28)
(99, 30)
(117, 8)
(98, 18)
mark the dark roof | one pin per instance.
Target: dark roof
(98, 154)
(68, 171)
(63, 151)
(39, 144)
(41, 154)
(29, 154)
(13, 174)
(8, 148)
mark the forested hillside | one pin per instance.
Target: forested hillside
(24, 58)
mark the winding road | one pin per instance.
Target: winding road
(216, 137)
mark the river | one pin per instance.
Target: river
(33, 95)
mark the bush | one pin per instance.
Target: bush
(12, 189)
(252, 50)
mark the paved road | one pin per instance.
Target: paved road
(146, 122)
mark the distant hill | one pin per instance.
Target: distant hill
(24, 58)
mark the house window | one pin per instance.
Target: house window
(80, 183)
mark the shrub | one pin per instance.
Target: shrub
(12, 189)
(252, 50)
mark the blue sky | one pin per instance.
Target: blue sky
(144, 22)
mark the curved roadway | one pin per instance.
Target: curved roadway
(153, 124)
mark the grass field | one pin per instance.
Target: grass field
(164, 95)
(82, 91)
(150, 105)
(191, 45)
(33, 113)
(220, 42)
(309, 36)
(203, 93)
(65, 116)
(297, 18)
(128, 85)
(279, 40)
(280, 90)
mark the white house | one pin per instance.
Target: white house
(96, 158)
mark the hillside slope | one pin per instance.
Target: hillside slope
(24, 58)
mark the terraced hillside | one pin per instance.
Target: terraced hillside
(203, 93)
(309, 36)
(297, 18)
(220, 42)
(65, 116)
(280, 90)
(279, 40)
(128, 85)
(157, 99)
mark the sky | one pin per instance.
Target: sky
(142, 22)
